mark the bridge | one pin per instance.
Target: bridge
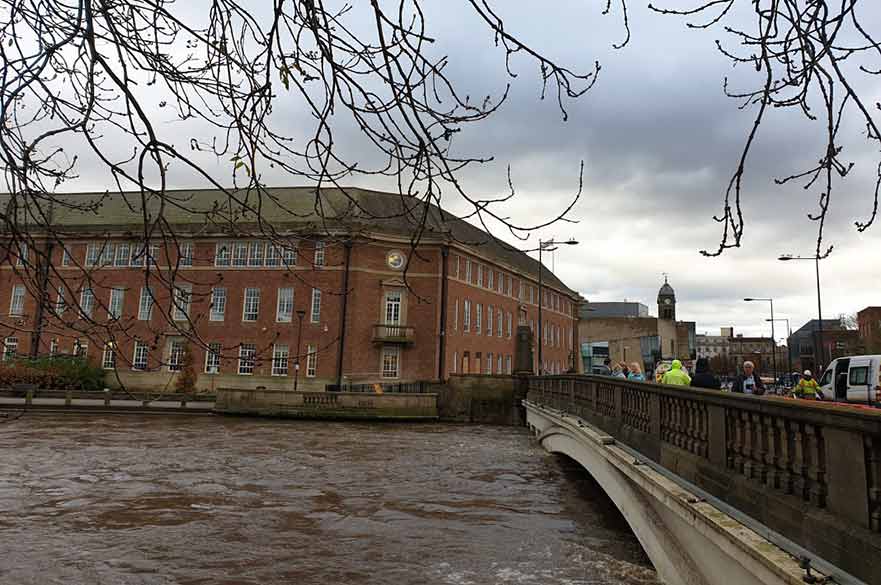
(724, 488)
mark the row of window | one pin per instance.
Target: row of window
(180, 306)
(250, 253)
(498, 365)
(485, 277)
(503, 321)
(247, 357)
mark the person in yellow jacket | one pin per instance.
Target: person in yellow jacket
(807, 387)
(675, 376)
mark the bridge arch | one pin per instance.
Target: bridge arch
(684, 547)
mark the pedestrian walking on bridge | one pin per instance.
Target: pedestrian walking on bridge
(675, 376)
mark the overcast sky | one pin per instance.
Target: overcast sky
(659, 140)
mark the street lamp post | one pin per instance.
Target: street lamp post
(773, 338)
(548, 245)
(788, 343)
(819, 352)
(300, 314)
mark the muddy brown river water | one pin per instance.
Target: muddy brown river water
(131, 500)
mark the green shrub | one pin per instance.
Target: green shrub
(55, 372)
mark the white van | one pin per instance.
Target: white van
(853, 379)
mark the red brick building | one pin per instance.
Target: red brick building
(869, 326)
(449, 304)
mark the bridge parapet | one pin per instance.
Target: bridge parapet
(810, 471)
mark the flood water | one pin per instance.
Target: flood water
(130, 500)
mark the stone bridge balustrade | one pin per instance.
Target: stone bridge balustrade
(809, 471)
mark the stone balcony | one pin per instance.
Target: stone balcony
(402, 334)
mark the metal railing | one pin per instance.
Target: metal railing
(417, 387)
(393, 333)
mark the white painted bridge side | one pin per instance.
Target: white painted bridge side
(689, 541)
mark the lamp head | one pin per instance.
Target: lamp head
(785, 257)
(749, 299)
(571, 242)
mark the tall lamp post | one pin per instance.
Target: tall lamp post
(788, 343)
(773, 338)
(300, 314)
(548, 245)
(819, 352)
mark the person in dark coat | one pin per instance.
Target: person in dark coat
(748, 382)
(704, 376)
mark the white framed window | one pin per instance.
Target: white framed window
(279, 360)
(66, 259)
(489, 320)
(319, 253)
(466, 317)
(456, 315)
(80, 348)
(93, 253)
(510, 319)
(53, 347)
(87, 302)
(393, 308)
(316, 306)
(183, 296)
(22, 254)
(480, 275)
(185, 253)
(247, 357)
(467, 270)
(16, 303)
(108, 357)
(145, 304)
(455, 361)
(501, 283)
(60, 303)
(175, 355)
(489, 279)
(284, 310)
(107, 254)
(10, 348)
(255, 254)
(499, 369)
(531, 295)
(311, 361)
(456, 270)
(218, 304)
(123, 255)
(391, 362)
(222, 253)
(499, 323)
(273, 255)
(478, 318)
(114, 308)
(139, 359)
(521, 292)
(251, 306)
(289, 255)
(508, 286)
(489, 364)
(240, 254)
(212, 358)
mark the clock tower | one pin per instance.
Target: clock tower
(666, 302)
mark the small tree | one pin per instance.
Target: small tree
(186, 378)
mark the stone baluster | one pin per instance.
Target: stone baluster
(747, 448)
(873, 469)
(759, 448)
(772, 453)
(784, 456)
(799, 469)
(816, 465)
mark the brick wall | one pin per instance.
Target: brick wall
(370, 278)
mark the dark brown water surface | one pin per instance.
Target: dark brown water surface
(149, 500)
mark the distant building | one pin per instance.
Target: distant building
(714, 346)
(869, 327)
(758, 350)
(613, 309)
(625, 332)
(837, 341)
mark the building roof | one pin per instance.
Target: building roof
(304, 209)
(809, 327)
